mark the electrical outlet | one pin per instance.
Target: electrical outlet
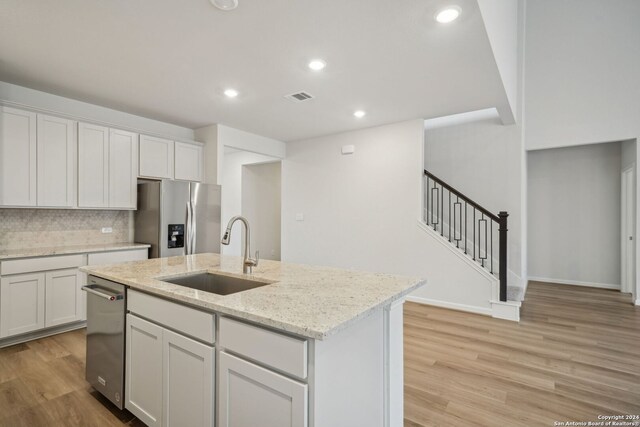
(106, 230)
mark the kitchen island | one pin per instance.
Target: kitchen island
(310, 346)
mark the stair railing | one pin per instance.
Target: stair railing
(449, 213)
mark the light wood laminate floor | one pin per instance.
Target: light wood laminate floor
(574, 355)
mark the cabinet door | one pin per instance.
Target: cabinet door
(156, 157)
(189, 161)
(123, 169)
(254, 396)
(21, 304)
(17, 157)
(93, 166)
(144, 371)
(188, 382)
(63, 297)
(56, 162)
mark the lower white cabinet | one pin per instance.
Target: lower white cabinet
(21, 304)
(169, 377)
(144, 370)
(250, 395)
(63, 297)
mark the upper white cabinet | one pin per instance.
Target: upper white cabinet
(56, 162)
(93, 166)
(17, 157)
(107, 165)
(189, 161)
(156, 157)
(123, 169)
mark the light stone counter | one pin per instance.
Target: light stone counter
(310, 301)
(68, 249)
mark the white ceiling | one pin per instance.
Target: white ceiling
(171, 59)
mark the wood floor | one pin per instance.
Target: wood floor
(574, 355)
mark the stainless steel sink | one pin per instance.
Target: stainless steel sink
(215, 283)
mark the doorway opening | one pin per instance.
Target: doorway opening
(628, 215)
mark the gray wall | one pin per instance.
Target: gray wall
(574, 214)
(261, 204)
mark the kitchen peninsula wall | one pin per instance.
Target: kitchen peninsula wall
(41, 228)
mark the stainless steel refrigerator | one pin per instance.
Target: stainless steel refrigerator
(178, 218)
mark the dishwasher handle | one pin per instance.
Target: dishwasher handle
(91, 289)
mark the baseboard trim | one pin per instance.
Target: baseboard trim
(638, 302)
(575, 283)
(30, 336)
(450, 305)
(506, 310)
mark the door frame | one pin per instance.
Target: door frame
(628, 201)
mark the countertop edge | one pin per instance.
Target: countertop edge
(75, 250)
(267, 322)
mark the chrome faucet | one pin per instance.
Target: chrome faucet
(248, 262)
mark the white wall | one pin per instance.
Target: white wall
(261, 195)
(482, 159)
(574, 214)
(582, 62)
(21, 97)
(232, 193)
(501, 24)
(361, 211)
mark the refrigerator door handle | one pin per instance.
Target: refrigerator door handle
(187, 245)
(194, 228)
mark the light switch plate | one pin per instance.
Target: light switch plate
(106, 230)
(299, 217)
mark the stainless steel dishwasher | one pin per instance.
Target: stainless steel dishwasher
(105, 338)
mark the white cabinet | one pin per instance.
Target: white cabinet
(56, 162)
(144, 371)
(250, 395)
(169, 377)
(156, 157)
(21, 304)
(123, 169)
(189, 161)
(93, 166)
(107, 167)
(188, 381)
(17, 157)
(63, 297)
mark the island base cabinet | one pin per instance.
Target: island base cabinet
(188, 382)
(169, 377)
(21, 304)
(250, 395)
(143, 391)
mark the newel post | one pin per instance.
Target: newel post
(503, 254)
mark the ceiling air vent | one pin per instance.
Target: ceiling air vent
(299, 97)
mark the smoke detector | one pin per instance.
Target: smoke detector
(299, 96)
(225, 4)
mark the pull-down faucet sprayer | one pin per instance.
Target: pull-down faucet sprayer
(248, 262)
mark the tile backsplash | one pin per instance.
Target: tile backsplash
(40, 228)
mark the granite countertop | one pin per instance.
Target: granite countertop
(310, 301)
(63, 250)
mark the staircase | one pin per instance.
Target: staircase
(475, 231)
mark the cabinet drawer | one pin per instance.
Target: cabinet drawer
(103, 258)
(186, 320)
(282, 352)
(30, 265)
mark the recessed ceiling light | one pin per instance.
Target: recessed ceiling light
(231, 93)
(359, 114)
(448, 14)
(317, 64)
(225, 4)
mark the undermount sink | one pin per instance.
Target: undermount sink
(216, 283)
